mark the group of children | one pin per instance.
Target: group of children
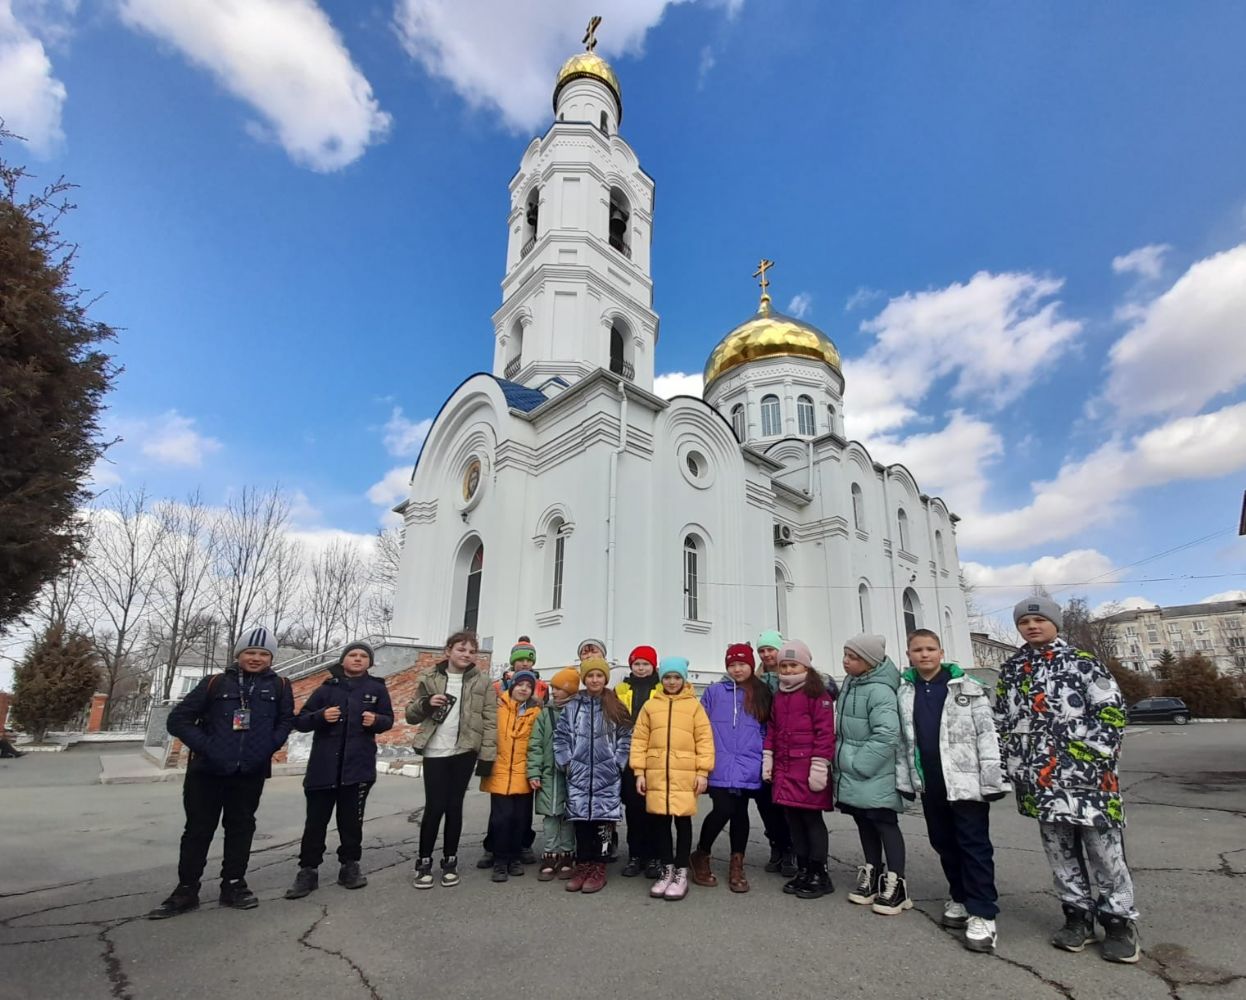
(585, 756)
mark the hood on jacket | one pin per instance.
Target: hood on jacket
(684, 692)
(885, 673)
(953, 670)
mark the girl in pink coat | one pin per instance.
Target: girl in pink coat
(798, 750)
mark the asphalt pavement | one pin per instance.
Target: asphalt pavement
(80, 863)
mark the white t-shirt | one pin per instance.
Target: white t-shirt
(445, 739)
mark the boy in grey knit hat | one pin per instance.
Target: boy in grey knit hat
(1061, 721)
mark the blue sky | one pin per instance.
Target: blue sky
(1023, 225)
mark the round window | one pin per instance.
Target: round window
(471, 480)
(694, 464)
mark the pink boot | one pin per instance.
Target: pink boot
(658, 889)
(678, 886)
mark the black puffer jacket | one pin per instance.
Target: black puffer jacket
(344, 752)
(204, 721)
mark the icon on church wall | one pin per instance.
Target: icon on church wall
(471, 479)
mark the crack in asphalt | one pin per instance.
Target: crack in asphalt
(1156, 965)
(363, 976)
(118, 981)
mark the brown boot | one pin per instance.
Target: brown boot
(700, 864)
(565, 866)
(735, 877)
(578, 876)
(596, 880)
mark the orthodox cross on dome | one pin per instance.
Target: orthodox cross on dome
(762, 268)
(590, 35)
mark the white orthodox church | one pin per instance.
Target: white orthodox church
(559, 497)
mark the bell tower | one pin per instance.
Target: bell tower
(577, 294)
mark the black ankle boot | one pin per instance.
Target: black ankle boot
(797, 882)
(183, 899)
(237, 896)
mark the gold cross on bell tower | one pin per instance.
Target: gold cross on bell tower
(762, 268)
(590, 35)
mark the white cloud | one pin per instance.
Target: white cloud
(392, 488)
(32, 96)
(1225, 595)
(1004, 585)
(171, 439)
(503, 56)
(1089, 491)
(286, 60)
(678, 384)
(1185, 347)
(800, 305)
(706, 63)
(1146, 262)
(1122, 604)
(863, 296)
(403, 437)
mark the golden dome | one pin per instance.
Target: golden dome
(589, 64)
(769, 335)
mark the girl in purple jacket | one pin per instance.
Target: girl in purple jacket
(738, 707)
(798, 749)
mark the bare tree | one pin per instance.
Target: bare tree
(284, 586)
(1094, 635)
(184, 559)
(60, 606)
(121, 570)
(251, 533)
(383, 579)
(335, 593)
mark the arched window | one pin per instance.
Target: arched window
(858, 508)
(605, 123)
(863, 606)
(902, 522)
(780, 600)
(940, 559)
(514, 350)
(616, 350)
(949, 637)
(830, 418)
(471, 606)
(557, 554)
(771, 416)
(912, 611)
(620, 222)
(737, 420)
(693, 570)
(532, 220)
(804, 416)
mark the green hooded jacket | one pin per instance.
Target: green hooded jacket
(867, 740)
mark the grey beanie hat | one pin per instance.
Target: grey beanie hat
(1044, 607)
(871, 648)
(256, 638)
(596, 642)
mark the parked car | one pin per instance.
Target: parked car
(1160, 710)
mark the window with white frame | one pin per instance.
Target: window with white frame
(771, 416)
(1233, 624)
(804, 416)
(560, 551)
(940, 557)
(902, 522)
(858, 508)
(1174, 628)
(1204, 644)
(863, 606)
(693, 569)
(1200, 626)
(1131, 631)
(1152, 634)
(737, 420)
(912, 611)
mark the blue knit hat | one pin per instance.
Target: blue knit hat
(521, 675)
(673, 665)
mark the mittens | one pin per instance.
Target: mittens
(767, 765)
(819, 770)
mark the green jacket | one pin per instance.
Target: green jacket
(551, 797)
(478, 713)
(867, 738)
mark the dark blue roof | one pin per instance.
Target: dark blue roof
(520, 397)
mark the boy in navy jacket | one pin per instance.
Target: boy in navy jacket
(345, 713)
(232, 723)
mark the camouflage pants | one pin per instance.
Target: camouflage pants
(1078, 854)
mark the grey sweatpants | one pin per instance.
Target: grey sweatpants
(1078, 854)
(559, 835)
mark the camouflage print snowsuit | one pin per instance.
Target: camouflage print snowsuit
(1061, 720)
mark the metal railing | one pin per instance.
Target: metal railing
(310, 663)
(527, 247)
(512, 368)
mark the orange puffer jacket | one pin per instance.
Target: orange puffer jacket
(510, 770)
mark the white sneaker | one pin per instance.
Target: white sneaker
(658, 889)
(954, 914)
(980, 934)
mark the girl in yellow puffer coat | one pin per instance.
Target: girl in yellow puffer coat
(672, 756)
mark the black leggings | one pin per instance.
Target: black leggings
(640, 843)
(592, 840)
(730, 806)
(773, 821)
(674, 852)
(880, 833)
(445, 784)
(809, 837)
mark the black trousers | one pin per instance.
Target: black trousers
(880, 835)
(773, 820)
(510, 818)
(445, 783)
(960, 833)
(206, 798)
(640, 826)
(730, 806)
(592, 840)
(810, 840)
(529, 834)
(673, 852)
(348, 802)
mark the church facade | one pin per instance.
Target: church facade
(557, 496)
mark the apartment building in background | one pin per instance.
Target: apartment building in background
(1216, 630)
